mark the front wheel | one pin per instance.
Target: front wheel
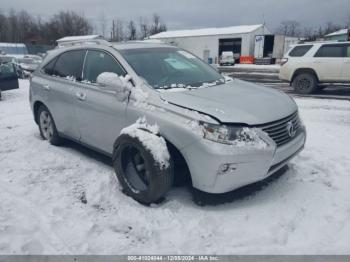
(305, 83)
(141, 177)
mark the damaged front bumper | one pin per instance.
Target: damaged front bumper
(220, 168)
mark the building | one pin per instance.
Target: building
(13, 49)
(209, 43)
(340, 35)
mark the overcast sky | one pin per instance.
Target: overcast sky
(182, 14)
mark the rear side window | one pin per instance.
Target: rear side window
(331, 51)
(48, 69)
(70, 64)
(98, 62)
(299, 51)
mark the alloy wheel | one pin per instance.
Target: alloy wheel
(46, 125)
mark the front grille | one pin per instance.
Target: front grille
(278, 130)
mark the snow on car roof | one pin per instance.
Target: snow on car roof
(242, 29)
(79, 38)
(139, 44)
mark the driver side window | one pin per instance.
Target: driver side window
(98, 62)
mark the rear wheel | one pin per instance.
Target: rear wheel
(47, 126)
(305, 83)
(138, 173)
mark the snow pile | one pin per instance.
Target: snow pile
(71, 78)
(251, 137)
(148, 136)
(227, 78)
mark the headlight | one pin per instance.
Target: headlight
(232, 135)
(221, 134)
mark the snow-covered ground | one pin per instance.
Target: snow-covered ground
(66, 200)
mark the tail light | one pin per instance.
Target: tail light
(283, 61)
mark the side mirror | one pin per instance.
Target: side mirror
(110, 82)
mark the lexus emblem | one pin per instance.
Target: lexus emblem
(290, 129)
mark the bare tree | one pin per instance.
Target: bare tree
(117, 32)
(144, 27)
(157, 26)
(132, 30)
(3, 27)
(330, 28)
(103, 24)
(66, 24)
(308, 33)
(289, 28)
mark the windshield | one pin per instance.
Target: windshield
(171, 67)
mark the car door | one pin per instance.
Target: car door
(346, 64)
(64, 76)
(328, 62)
(8, 77)
(101, 115)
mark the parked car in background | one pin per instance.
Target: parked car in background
(14, 60)
(227, 58)
(161, 112)
(8, 76)
(29, 64)
(309, 67)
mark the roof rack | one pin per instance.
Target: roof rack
(84, 42)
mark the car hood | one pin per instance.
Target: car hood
(235, 102)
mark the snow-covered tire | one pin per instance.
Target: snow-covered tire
(138, 172)
(305, 83)
(47, 126)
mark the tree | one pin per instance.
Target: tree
(103, 24)
(117, 32)
(144, 28)
(67, 23)
(132, 30)
(289, 28)
(330, 28)
(157, 26)
(3, 27)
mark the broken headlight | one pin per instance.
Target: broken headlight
(220, 133)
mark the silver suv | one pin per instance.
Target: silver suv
(159, 111)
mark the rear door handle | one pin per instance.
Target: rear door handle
(47, 87)
(81, 96)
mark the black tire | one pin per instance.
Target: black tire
(52, 135)
(305, 83)
(150, 183)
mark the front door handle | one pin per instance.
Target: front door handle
(81, 96)
(47, 87)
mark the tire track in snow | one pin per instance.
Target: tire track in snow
(55, 242)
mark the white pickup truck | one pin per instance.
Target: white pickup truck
(308, 66)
